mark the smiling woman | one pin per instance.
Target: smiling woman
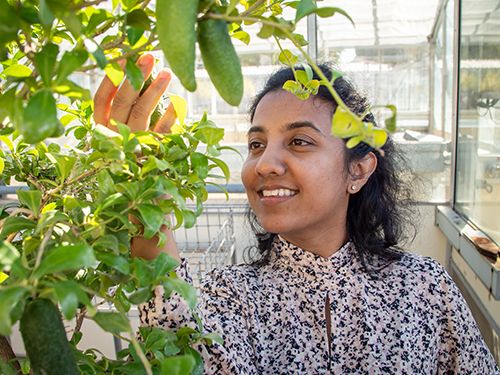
(332, 291)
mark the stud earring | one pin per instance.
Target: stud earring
(353, 187)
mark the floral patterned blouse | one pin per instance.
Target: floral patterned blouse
(408, 318)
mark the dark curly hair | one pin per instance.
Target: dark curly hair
(381, 212)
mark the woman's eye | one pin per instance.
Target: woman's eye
(255, 145)
(299, 142)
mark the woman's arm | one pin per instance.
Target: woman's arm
(123, 104)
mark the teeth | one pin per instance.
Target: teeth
(278, 192)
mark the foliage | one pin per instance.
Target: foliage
(68, 239)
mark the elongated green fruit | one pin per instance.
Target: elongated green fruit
(175, 26)
(220, 59)
(45, 339)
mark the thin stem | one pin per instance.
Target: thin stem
(252, 8)
(289, 62)
(86, 4)
(46, 239)
(141, 355)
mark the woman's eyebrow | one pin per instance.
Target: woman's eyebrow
(255, 129)
(302, 124)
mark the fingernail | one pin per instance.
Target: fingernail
(145, 60)
(164, 73)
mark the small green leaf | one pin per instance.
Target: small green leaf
(223, 167)
(303, 77)
(178, 365)
(344, 124)
(31, 199)
(330, 11)
(105, 182)
(152, 216)
(115, 261)
(45, 62)
(96, 52)
(65, 258)
(287, 58)
(45, 14)
(134, 35)
(182, 287)
(198, 368)
(213, 136)
(379, 137)
(242, 36)
(266, 31)
(200, 164)
(138, 19)
(134, 75)
(292, 87)
(69, 294)
(8, 255)
(40, 117)
(18, 71)
(354, 141)
(107, 243)
(25, 366)
(143, 271)
(71, 61)
(15, 224)
(141, 295)
(9, 297)
(164, 263)
(112, 322)
(305, 7)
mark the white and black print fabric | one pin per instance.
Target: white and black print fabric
(408, 318)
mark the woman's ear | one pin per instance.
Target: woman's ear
(361, 170)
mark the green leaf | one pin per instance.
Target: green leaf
(112, 322)
(25, 366)
(8, 255)
(2, 165)
(242, 36)
(141, 295)
(379, 137)
(266, 31)
(73, 23)
(354, 141)
(292, 87)
(45, 62)
(71, 61)
(111, 201)
(7, 368)
(138, 19)
(15, 224)
(7, 100)
(45, 14)
(303, 77)
(189, 218)
(31, 199)
(124, 131)
(96, 52)
(64, 163)
(106, 243)
(182, 287)
(330, 11)
(7, 141)
(223, 167)
(213, 336)
(305, 7)
(115, 261)
(143, 271)
(9, 297)
(9, 22)
(72, 90)
(40, 117)
(164, 263)
(198, 368)
(69, 294)
(178, 365)
(152, 216)
(390, 123)
(134, 35)
(65, 258)
(287, 58)
(172, 191)
(105, 182)
(17, 71)
(213, 136)
(199, 164)
(134, 75)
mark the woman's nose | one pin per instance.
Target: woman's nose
(271, 162)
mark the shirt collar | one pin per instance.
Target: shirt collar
(302, 260)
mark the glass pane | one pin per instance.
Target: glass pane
(478, 159)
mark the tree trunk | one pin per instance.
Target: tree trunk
(6, 353)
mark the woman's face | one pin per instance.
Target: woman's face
(294, 174)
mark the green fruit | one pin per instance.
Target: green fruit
(45, 339)
(220, 59)
(175, 27)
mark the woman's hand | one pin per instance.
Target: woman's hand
(123, 104)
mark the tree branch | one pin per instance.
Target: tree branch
(7, 354)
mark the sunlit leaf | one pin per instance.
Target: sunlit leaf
(182, 287)
(164, 263)
(242, 36)
(71, 61)
(115, 261)
(152, 216)
(180, 107)
(8, 298)
(15, 224)
(287, 58)
(18, 71)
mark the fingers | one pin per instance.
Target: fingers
(145, 105)
(126, 96)
(167, 120)
(104, 98)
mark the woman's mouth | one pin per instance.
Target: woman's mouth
(278, 193)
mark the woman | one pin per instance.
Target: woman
(331, 292)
